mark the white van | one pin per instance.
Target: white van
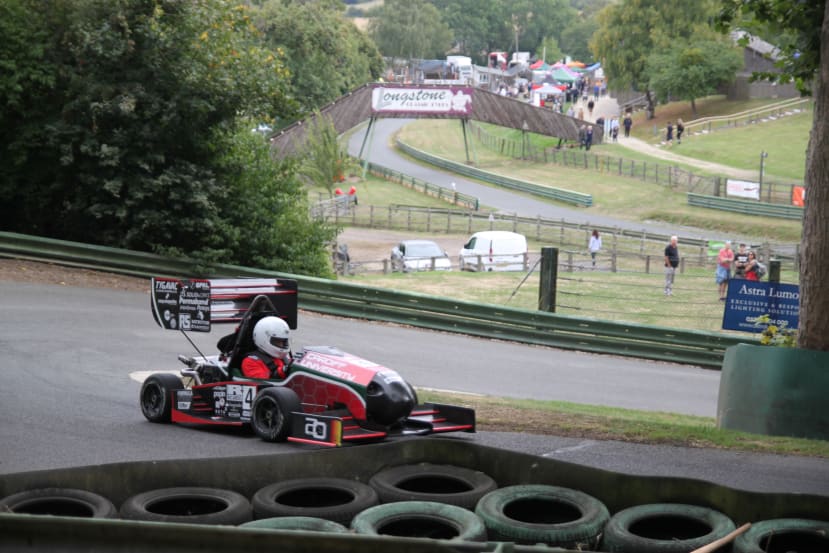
(494, 250)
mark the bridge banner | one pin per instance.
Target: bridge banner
(417, 101)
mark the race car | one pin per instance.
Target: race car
(327, 397)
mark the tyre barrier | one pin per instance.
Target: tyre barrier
(305, 524)
(783, 535)
(421, 519)
(556, 516)
(127, 483)
(334, 499)
(191, 505)
(66, 502)
(664, 528)
(449, 484)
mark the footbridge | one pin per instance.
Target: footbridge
(379, 100)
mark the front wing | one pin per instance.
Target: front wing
(337, 429)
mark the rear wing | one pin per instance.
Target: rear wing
(195, 304)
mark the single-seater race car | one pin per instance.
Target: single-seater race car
(327, 397)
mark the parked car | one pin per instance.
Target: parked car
(419, 255)
(494, 250)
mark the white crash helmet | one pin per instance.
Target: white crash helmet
(271, 336)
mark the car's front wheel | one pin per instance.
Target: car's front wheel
(157, 396)
(271, 413)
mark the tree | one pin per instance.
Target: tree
(323, 158)
(691, 71)
(477, 25)
(549, 50)
(804, 57)
(111, 137)
(326, 54)
(411, 29)
(632, 30)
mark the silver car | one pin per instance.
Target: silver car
(419, 255)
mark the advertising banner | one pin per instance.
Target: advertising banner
(182, 304)
(450, 100)
(743, 189)
(747, 300)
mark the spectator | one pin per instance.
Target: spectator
(680, 128)
(582, 136)
(671, 263)
(740, 262)
(725, 258)
(588, 137)
(669, 134)
(751, 267)
(594, 246)
(614, 129)
(590, 106)
(628, 123)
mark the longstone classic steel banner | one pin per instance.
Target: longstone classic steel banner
(450, 100)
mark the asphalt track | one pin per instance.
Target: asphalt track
(73, 359)
(380, 151)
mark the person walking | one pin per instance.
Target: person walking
(680, 128)
(594, 246)
(671, 263)
(628, 123)
(725, 258)
(669, 134)
(588, 137)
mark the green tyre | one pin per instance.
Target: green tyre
(302, 524)
(535, 513)
(420, 519)
(783, 535)
(664, 528)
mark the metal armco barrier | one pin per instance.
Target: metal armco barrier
(245, 475)
(746, 207)
(350, 300)
(560, 194)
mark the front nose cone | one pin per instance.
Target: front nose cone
(388, 402)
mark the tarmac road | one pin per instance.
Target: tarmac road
(381, 152)
(73, 359)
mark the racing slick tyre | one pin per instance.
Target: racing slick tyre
(191, 505)
(420, 519)
(335, 499)
(427, 482)
(271, 413)
(530, 514)
(784, 534)
(304, 524)
(157, 396)
(64, 502)
(664, 528)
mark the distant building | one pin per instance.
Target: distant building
(758, 55)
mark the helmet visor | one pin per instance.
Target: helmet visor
(281, 343)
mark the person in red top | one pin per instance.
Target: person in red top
(273, 352)
(751, 267)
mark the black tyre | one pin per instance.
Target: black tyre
(304, 524)
(530, 514)
(336, 499)
(271, 413)
(64, 502)
(784, 534)
(664, 528)
(420, 519)
(427, 482)
(157, 396)
(190, 505)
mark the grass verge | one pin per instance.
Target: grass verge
(557, 418)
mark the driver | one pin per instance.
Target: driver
(273, 352)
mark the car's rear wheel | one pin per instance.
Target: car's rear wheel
(271, 413)
(157, 396)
